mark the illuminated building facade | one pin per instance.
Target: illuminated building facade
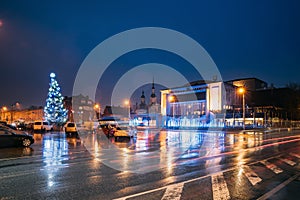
(82, 109)
(27, 115)
(147, 114)
(200, 104)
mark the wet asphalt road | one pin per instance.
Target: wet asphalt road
(155, 165)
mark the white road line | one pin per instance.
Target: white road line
(251, 175)
(173, 192)
(295, 155)
(272, 167)
(279, 187)
(21, 157)
(18, 174)
(219, 186)
(122, 198)
(188, 181)
(287, 161)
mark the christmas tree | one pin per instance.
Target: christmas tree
(54, 110)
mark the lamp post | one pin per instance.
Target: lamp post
(97, 109)
(3, 111)
(242, 91)
(172, 100)
(127, 103)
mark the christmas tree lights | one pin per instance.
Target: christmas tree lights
(54, 110)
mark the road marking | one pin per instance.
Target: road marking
(279, 187)
(287, 161)
(295, 155)
(272, 167)
(19, 174)
(173, 192)
(251, 175)
(189, 181)
(219, 186)
(17, 158)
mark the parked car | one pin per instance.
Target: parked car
(21, 126)
(124, 132)
(9, 126)
(13, 128)
(107, 129)
(82, 129)
(13, 138)
(42, 126)
(70, 129)
(29, 126)
(3, 122)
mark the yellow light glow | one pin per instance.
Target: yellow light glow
(241, 90)
(4, 108)
(126, 102)
(171, 98)
(96, 106)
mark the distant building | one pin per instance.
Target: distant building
(271, 107)
(27, 115)
(202, 103)
(277, 104)
(80, 108)
(147, 114)
(154, 107)
(214, 104)
(142, 108)
(68, 106)
(265, 106)
(115, 111)
(252, 84)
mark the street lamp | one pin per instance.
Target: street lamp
(97, 109)
(127, 103)
(242, 91)
(172, 100)
(3, 110)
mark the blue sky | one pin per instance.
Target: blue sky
(244, 38)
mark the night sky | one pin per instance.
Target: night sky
(244, 38)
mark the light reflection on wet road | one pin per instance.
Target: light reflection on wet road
(159, 150)
(70, 168)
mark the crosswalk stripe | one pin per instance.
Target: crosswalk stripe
(245, 168)
(295, 155)
(278, 188)
(272, 167)
(219, 186)
(173, 192)
(287, 161)
(251, 175)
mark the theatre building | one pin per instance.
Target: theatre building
(200, 104)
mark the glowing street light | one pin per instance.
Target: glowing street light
(127, 103)
(4, 108)
(242, 91)
(172, 100)
(97, 109)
